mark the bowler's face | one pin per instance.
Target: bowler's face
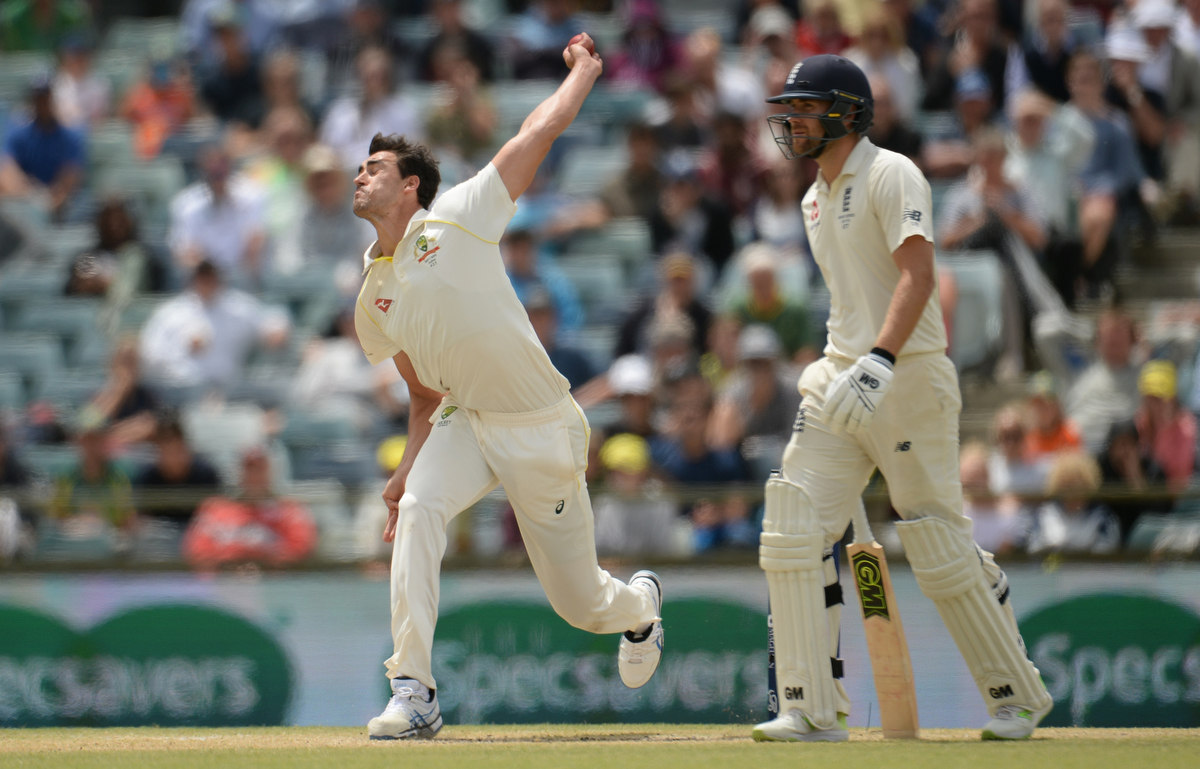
(378, 185)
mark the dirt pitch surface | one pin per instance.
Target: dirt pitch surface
(655, 746)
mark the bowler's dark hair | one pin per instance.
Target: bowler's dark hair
(413, 159)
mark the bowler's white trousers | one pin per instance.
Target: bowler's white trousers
(540, 457)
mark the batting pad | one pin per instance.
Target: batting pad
(949, 569)
(796, 584)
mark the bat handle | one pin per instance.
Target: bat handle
(862, 529)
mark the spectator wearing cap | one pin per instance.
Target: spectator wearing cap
(176, 474)
(1166, 430)
(43, 158)
(1050, 432)
(881, 54)
(201, 338)
(1175, 73)
(330, 233)
(570, 362)
(676, 297)
(633, 515)
(977, 46)
(1010, 471)
(538, 37)
(454, 34)
(1072, 522)
(648, 52)
(379, 108)
(1046, 151)
(999, 522)
(221, 218)
(255, 527)
(1040, 61)
(949, 152)
(528, 270)
(765, 303)
(688, 219)
(232, 85)
(888, 130)
(756, 409)
(631, 381)
(1146, 106)
(158, 106)
(1124, 465)
(30, 25)
(81, 96)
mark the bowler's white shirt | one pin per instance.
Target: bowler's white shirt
(445, 300)
(879, 200)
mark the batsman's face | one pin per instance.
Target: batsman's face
(378, 186)
(804, 124)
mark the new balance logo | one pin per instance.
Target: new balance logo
(912, 215)
(903, 445)
(793, 692)
(1000, 692)
(868, 380)
(383, 304)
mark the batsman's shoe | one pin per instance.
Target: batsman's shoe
(411, 714)
(793, 726)
(639, 653)
(1013, 722)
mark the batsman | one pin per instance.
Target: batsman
(884, 396)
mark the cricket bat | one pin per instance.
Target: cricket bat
(885, 635)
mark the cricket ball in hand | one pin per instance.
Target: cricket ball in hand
(584, 40)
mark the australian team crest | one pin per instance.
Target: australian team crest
(422, 249)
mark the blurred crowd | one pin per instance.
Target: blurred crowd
(179, 371)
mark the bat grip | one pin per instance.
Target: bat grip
(862, 529)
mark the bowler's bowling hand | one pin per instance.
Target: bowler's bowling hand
(855, 394)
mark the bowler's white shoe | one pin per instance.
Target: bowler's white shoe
(792, 726)
(1013, 722)
(411, 714)
(639, 653)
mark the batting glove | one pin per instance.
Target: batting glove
(855, 394)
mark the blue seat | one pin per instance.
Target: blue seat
(585, 170)
(36, 357)
(978, 316)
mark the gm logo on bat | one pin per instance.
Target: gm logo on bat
(869, 579)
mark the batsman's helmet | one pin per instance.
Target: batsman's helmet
(825, 78)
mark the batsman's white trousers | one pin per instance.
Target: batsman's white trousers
(913, 440)
(540, 457)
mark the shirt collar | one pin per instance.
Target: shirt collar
(374, 252)
(861, 156)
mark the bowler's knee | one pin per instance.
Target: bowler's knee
(414, 514)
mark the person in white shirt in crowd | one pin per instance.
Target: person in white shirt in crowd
(1072, 522)
(1000, 523)
(329, 231)
(1009, 469)
(1187, 27)
(82, 98)
(777, 217)
(222, 219)
(881, 52)
(200, 339)
(721, 86)
(353, 120)
(1047, 148)
(1106, 392)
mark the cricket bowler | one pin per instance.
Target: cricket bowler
(487, 407)
(885, 395)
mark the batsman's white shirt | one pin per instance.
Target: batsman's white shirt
(508, 418)
(879, 200)
(444, 299)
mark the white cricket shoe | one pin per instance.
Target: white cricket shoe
(638, 655)
(411, 714)
(1013, 722)
(793, 726)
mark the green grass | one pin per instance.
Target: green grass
(654, 746)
